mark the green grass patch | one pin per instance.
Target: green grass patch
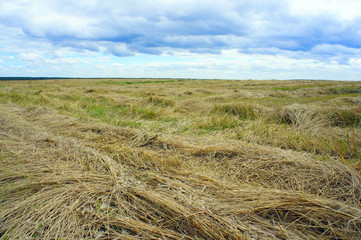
(346, 118)
(97, 111)
(13, 97)
(240, 110)
(347, 90)
(169, 119)
(216, 123)
(131, 124)
(68, 97)
(25, 99)
(144, 112)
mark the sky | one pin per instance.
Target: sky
(223, 39)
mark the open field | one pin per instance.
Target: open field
(180, 159)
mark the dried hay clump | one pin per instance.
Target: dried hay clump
(161, 101)
(332, 181)
(297, 216)
(302, 117)
(243, 111)
(191, 105)
(283, 170)
(343, 111)
(346, 117)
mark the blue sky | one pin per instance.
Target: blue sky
(228, 39)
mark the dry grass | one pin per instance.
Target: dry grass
(180, 159)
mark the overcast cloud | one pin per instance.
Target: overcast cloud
(232, 39)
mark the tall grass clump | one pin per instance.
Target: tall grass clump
(346, 117)
(216, 123)
(160, 101)
(143, 112)
(300, 116)
(240, 110)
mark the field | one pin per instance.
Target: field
(180, 159)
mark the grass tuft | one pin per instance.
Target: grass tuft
(346, 117)
(301, 116)
(242, 111)
(164, 102)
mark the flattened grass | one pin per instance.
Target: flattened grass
(180, 159)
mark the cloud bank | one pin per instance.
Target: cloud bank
(188, 38)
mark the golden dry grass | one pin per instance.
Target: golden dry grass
(180, 159)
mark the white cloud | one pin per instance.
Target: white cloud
(344, 9)
(117, 65)
(226, 38)
(355, 62)
(103, 59)
(30, 57)
(335, 49)
(234, 65)
(119, 49)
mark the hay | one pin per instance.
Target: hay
(66, 179)
(303, 117)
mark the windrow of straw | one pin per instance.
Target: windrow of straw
(284, 171)
(308, 117)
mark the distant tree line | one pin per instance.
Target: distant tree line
(28, 78)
